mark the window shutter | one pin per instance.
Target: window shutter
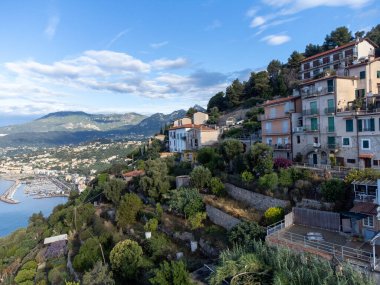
(372, 124)
(360, 126)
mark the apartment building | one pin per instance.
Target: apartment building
(340, 120)
(280, 116)
(336, 59)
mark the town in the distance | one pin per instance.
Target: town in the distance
(275, 181)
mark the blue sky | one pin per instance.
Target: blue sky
(151, 56)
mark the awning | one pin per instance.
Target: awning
(366, 155)
(352, 215)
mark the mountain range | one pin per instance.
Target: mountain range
(76, 127)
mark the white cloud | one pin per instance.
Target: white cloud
(159, 45)
(214, 25)
(275, 40)
(51, 26)
(165, 63)
(251, 12)
(257, 21)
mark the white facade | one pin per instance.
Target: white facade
(177, 138)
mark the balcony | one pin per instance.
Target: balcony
(330, 110)
(282, 146)
(364, 197)
(312, 91)
(310, 112)
(333, 145)
(276, 132)
(311, 128)
(298, 129)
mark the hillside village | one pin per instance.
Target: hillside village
(280, 188)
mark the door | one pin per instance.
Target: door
(367, 162)
(313, 108)
(314, 124)
(315, 158)
(330, 124)
(330, 106)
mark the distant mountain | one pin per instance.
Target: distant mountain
(75, 121)
(64, 128)
(199, 108)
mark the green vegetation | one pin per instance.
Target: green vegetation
(173, 273)
(273, 215)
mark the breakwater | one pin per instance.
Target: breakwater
(8, 195)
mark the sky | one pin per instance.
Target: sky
(110, 56)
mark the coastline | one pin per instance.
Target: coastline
(7, 196)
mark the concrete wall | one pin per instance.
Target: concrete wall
(200, 118)
(220, 218)
(255, 200)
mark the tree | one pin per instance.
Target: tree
(268, 181)
(155, 182)
(186, 201)
(294, 60)
(285, 178)
(126, 258)
(113, 190)
(209, 157)
(213, 115)
(311, 50)
(245, 233)
(374, 35)
(89, 254)
(333, 190)
(230, 149)
(173, 273)
(260, 158)
(196, 220)
(151, 225)
(234, 93)
(191, 112)
(130, 205)
(261, 87)
(247, 177)
(218, 101)
(98, 275)
(340, 36)
(200, 177)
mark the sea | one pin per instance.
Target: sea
(15, 216)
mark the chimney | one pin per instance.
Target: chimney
(378, 192)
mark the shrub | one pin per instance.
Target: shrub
(217, 187)
(174, 273)
(25, 275)
(268, 181)
(332, 190)
(245, 233)
(31, 264)
(151, 225)
(128, 209)
(196, 220)
(273, 215)
(200, 177)
(159, 211)
(247, 177)
(285, 178)
(158, 246)
(281, 162)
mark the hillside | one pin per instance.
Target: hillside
(75, 121)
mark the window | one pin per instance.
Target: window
(366, 144)
(336, 56)
(298, 139)
(376, 162)
(349, 126)
(316, 140)
(285, 126)
(313, 108)
(366, 125)
(378, 74)
(316, 63)
(359, 93)
(269, 141)
(330, 85)
(368, 222)
(346, 141)
(314, 124)
(273, 112)
(306, 75)
(268, 127)
(350, 160)
(330, 106)
(362, 75)
(316, 72)
(326, 59)
(331, 142)
(348, 52)
(286, 140)
(306, 66)
(330, 124)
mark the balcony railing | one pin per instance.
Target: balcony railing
(364, 197)
(310, 92)
(311, 128)
(310, 112)
(275, 132)
(282, 146)
(333, 145)
(298, 129)
(329, 110)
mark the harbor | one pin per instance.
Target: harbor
(8, 195)
(46, 187)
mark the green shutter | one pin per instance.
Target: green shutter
(360, 128)
(331, 124)
(330, 85)
(314, 124)
(372, 125)
(331, 141)
(356, 94)
(349, 126)
(362, 74)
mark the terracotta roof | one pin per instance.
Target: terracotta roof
(280, 100)
(134, 173)
(185, 126)
(365, 208)
(336, 49)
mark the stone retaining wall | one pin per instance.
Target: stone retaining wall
(221, 218)
(255, 200)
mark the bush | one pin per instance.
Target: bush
(173, 273)
(25, 275)
(268, 181)
(200, 177)
(245, 233)
(333, 190)
(281, 162)
(285, 178)
(273, 215)
(196, 220)
(151, 225)
(128, 209)
(247, 177)
(217, 187)
(158, 246)
(31, 264)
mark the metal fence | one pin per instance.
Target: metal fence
(318, 219)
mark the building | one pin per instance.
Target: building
(279, 118)
(336, 59)
(200, 118)
(178, 137)
(341, 110)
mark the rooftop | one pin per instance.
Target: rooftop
(280, 100)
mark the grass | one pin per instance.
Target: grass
(234, 208)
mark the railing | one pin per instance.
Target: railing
(311, 128)
(275, 227)
(282, 146)
(329, 110)
(333, 145)
(339, 251)
(310, 112)
(364, 197)
(275, 132)
(344, 169)
(311, 92)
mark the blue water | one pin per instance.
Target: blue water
(14, 216)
